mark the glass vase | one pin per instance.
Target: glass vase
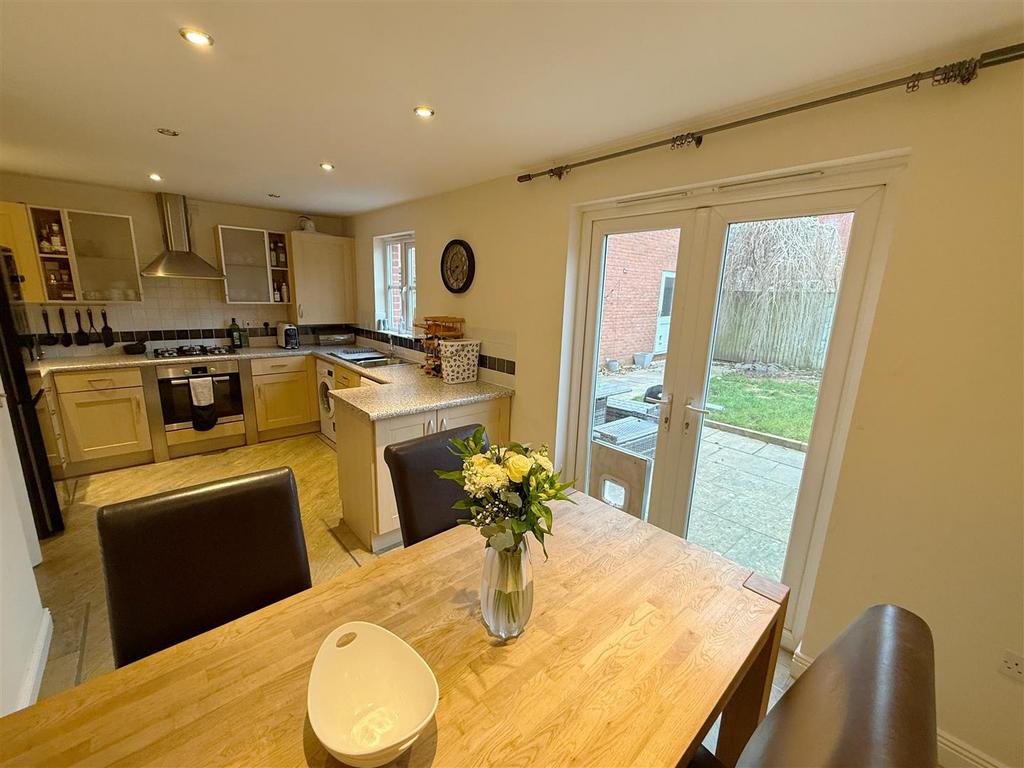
(506, 590)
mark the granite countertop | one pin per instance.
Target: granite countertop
(99, 362)
(411, 391)
(406, 389)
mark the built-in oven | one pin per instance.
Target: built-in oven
(176, 397)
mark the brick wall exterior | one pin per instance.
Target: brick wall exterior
(634, 263)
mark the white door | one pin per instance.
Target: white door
(747, 398)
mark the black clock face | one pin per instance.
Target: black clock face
(457, 266)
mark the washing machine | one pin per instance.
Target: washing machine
(324, 384)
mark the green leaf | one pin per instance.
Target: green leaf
(503, 540)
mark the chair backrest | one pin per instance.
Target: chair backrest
(867, 699)
(424, 500)
(180, 563)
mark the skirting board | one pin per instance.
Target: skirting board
(953, 753)
(29, 691)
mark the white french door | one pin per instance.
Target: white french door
(712, 408)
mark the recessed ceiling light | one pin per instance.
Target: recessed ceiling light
(196, 36)
(168, 132)
(156, 177)
(271, 194)
(327, 166)
(424, 111)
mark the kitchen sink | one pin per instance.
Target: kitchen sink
(369, 362)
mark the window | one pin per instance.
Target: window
(399, 283)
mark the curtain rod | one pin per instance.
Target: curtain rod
(962, 72)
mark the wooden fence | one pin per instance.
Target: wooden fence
(788, 328)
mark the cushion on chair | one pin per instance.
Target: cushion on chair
(424, 500)
(180, 563)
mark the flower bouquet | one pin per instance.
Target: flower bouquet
(508, 489)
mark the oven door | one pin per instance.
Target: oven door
(176, 400)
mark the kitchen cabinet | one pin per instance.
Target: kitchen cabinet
(284, 393)
(105, 423)
(323, 268)
(103, 249)
(21, 265)
(255, 262)
(85, 256)
(48, 414)
(282, 400)
(367, 495)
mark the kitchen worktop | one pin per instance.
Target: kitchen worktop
(409, 391)
(99, 362)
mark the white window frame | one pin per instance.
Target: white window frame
(407, 285)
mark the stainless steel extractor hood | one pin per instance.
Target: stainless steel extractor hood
(178, 260)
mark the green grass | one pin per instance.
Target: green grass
(783, 407)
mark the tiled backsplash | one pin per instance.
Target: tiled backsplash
(175, 311)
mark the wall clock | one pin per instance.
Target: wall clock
(457, 266)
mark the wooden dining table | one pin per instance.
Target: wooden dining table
(638, 641)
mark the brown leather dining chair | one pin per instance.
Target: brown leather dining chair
(424, 500)
(180, 563)
(868, 700)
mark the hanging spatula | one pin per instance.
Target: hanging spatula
(106, 331)
(48, 339)
(81, 337)
(94, 335)
(65, 337)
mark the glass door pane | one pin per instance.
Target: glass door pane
(776, 305)
(635, 303)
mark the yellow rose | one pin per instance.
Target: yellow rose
(479, 461)
(518, 466)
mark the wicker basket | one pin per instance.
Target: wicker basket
(459, 360)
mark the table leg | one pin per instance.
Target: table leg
(749, 703)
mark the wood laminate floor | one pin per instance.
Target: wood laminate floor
(70, 577)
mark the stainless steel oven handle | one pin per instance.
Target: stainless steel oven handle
(222, 378)
(179, 381)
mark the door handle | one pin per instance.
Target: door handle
(664, 404)
(697, 409)
(300, 310)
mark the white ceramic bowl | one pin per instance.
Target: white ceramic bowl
(370, 695)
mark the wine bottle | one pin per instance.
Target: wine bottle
(235, 334)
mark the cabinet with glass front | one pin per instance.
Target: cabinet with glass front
(86, 256)
(256, 265)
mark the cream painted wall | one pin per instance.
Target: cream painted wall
(928, 512)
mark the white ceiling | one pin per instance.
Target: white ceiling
(516, 86)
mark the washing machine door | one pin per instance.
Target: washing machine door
(326, 403)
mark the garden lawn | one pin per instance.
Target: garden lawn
(783, 407)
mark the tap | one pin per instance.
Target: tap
(391, 345)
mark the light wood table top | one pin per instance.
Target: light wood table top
(638, 641)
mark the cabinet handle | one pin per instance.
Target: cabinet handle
(259, 392)
(97, 381)
(444, 423)
(430, 426)
(300, 310)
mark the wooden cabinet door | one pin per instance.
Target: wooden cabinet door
(105, 423)
(390, 431)
(323, 268)
(16, 234)
(493, 414)
(282, 400)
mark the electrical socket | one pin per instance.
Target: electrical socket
(249, 324)
(1012, 665)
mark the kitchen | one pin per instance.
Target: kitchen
(123, 398)
(706, 275)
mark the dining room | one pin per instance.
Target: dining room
(500, 384)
